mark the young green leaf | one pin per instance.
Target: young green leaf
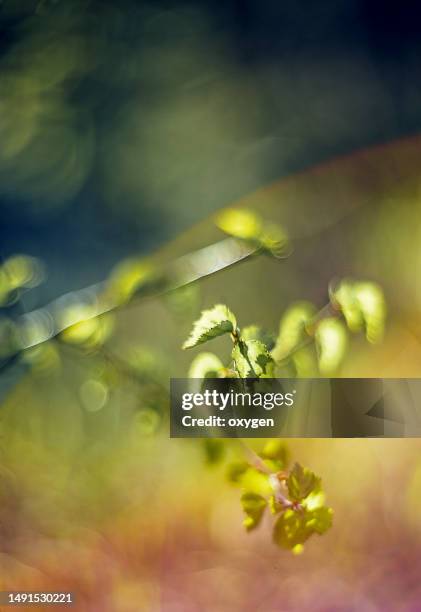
(251, 358)
(239, 223)
(292, 328)
(289, 530)
(362, 303)
(331, 341)
(205, 365)
(276, 450)
(275, 506)
(343, 296)
(301, 482)
(255, 481)
(274, 239)
(319, 519)
(371, 301)
(246, 225)
(254, 506)
(294, 527)
(215, 322)
(129, 276)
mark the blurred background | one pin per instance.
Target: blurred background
(123, 123)
(123, 127)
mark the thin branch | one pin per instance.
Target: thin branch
(97, 298)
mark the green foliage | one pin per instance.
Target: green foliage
(332, 342)
(293, 528)
(217, 321)
(128, 277)
(274, 240)
(371, 301)
(84, 328)
(301, 482)
(294, 498)
(276, 450)
(309, 344)
(362, 305)
(239, 223)
(254, 506)
(205, 365)
(292, 328)
(343, 297)
(17, 274)
(246, 225)
(251, 358)
(254, 480)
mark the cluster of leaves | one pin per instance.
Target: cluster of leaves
(292, 495)
(308, 343)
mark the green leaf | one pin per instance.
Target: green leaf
(205, 365)
(289, 529)
(276, 450)
(344, 297)
(239, 223)
(362, 304)
(316, 499)
(254, 481)
(275, 506)
(371, 301)
(292, 328)
(274, 239)
(129, 276)
(319, 519)
(236, 470)
(301, 482)
(215, 322)
(294, 527)
(246, 225)
(254, 506)
(254, 332)
(331, 342)
(251, 358)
